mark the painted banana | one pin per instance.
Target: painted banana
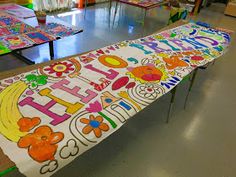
(9, 111)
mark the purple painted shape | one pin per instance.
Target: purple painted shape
(208, 40)
(155, 47)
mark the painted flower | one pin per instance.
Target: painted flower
(59, 68)
(94, 124)
(149, 91)
(96, 107)
(42, 143)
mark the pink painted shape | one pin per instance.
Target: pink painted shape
(57, 119)
(74, 91)
(94, 107)
(112, 75)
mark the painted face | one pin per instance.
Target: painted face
(147, 73)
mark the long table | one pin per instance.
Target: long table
(171, 70)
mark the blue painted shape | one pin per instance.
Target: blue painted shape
(193, 32)
(194, 43)
(135, 61)
(37, 35)
(141, 47)
(203, 24)
(171, 82)
(94, 123)
(218, 48)
(123, 104)
(108, 100)
(208, 31)
(175, 78)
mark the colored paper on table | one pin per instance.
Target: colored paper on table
(39, 37)
(142, 3)
(4, 49)
(60, 30)
(20, 28)
(17, 10)
(7, 20)
(4, 31)
(51, 115)
(16, 42)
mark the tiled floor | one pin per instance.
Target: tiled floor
(198, 142)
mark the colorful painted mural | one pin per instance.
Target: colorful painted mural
(53, 114)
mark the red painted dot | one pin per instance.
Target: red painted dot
(130, 85)
(121, 82)
(197, 58)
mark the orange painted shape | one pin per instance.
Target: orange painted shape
(174, 62)
(147, 73)
(26, 124)
(96, 130)
(42, 143)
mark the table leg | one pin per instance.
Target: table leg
(144, 18)
(85, 8)
(173, 92)
(110, 4)
(109, 14)
(144, 21)
(116, 7)
(51, 50)
(20, 56)
(190, 86)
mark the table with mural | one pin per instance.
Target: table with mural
(19, 34)
(143, 4)
(52, 113)
(147, 4)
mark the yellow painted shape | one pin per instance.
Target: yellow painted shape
(9, 111)
(112, 61)
(71, 108)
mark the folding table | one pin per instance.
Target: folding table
(148, 68)
(33, 22)
(143, 4)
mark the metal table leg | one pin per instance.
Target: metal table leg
(144, 20)
(173, 92)
(20, 56)
(51, 50)
(110, 4)
(85, 8)
(114, 18)
(190, 86)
